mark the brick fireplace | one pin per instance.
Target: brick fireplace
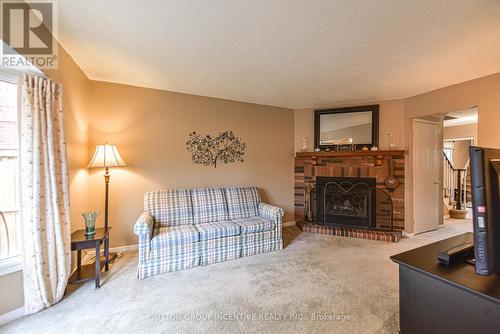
(344, 216)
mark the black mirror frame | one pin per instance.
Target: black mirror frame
(373, 108)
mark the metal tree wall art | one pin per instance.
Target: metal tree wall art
(208, 150)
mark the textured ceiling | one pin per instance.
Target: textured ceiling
(284, 52)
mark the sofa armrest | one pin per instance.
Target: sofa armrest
(144, 229)
(274, 214)
(144, 225)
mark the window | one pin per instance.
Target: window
(9, 139)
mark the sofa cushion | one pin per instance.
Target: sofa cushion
(217, 230)
(174, 235)
(242, 202)
(209, 205)
(253, 225)
(170, 207)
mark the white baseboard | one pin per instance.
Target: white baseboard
(291, 223)
(128, 248)
(12, 315)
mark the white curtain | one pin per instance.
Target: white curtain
(44, 212)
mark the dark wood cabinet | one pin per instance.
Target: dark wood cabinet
(437, 299)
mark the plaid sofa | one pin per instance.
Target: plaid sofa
(185, 228)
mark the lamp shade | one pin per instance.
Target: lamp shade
(106, 156)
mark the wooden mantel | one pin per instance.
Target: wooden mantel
(350, 153)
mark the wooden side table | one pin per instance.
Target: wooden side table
(92, 271)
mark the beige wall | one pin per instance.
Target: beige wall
(460, 131)
(76, 102)
(461, 153)
(482, 92)
(150, 128)
(391, 119)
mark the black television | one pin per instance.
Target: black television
(485, 183)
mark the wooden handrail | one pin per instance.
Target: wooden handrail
(451, 165)
(448, 161)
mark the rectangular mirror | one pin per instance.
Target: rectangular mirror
(346, 126)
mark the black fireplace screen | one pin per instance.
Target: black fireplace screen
(347, 199)
(346, 202)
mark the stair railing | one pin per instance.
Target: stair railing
(454, 184)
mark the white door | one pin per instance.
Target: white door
(426, 174)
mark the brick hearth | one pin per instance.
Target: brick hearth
(353, 233)
(309, 165)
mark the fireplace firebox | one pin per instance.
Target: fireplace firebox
(346, 202)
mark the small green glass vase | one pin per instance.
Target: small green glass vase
(90, 218)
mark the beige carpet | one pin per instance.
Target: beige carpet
(317, 284)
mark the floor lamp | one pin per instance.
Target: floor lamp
(106, 156)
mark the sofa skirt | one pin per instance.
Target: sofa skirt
(173, 258)
(185, 256)
(219, 250)
(256, 243)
